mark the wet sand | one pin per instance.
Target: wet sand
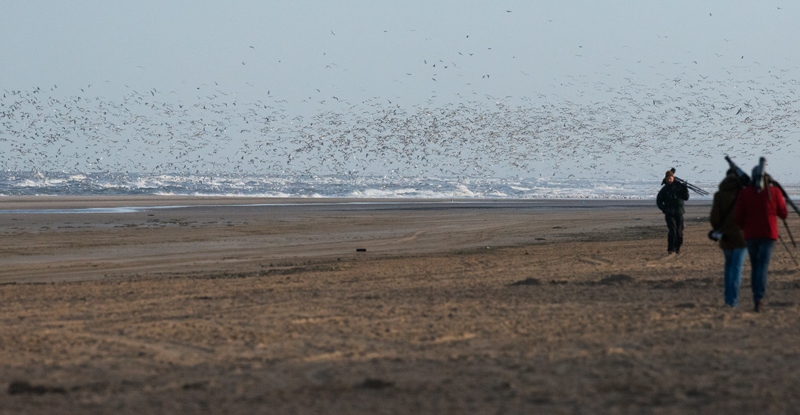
(267, 306)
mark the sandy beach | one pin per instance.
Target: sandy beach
(245, 305)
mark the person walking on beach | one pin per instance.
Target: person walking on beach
(732, 241)
(757, 210)
(670, 200)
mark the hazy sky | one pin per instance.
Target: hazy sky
(574, 51)
(295, 47)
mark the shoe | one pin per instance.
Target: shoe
(759, 306)
(677, 251)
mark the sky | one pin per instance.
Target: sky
(320, 56)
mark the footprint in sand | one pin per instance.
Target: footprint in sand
(667, 259)
(595, 261)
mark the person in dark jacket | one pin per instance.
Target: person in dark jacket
(757, 214)
(670, 200)
(732, 241)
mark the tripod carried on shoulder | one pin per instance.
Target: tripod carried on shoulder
(688, 185)
(761, 181)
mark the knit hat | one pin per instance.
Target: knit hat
(669, 174)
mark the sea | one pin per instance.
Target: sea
(143, 143)
(354, 187)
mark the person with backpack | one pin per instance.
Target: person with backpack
(731, 237)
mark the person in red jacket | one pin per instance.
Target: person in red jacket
(757, 211)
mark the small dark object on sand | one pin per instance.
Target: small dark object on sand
(376, 384)
(195, 386)
(616, 279)
(361, 249)
(528, 281)
(20, 387)
(685, 305)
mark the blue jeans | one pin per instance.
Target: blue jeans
(734, 260)
(760, 252)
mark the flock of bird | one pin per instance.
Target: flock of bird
(634, 128)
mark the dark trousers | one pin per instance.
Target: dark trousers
(675, 236)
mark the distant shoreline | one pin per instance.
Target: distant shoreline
(130, 204)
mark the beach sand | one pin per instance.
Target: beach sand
(267, 306)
